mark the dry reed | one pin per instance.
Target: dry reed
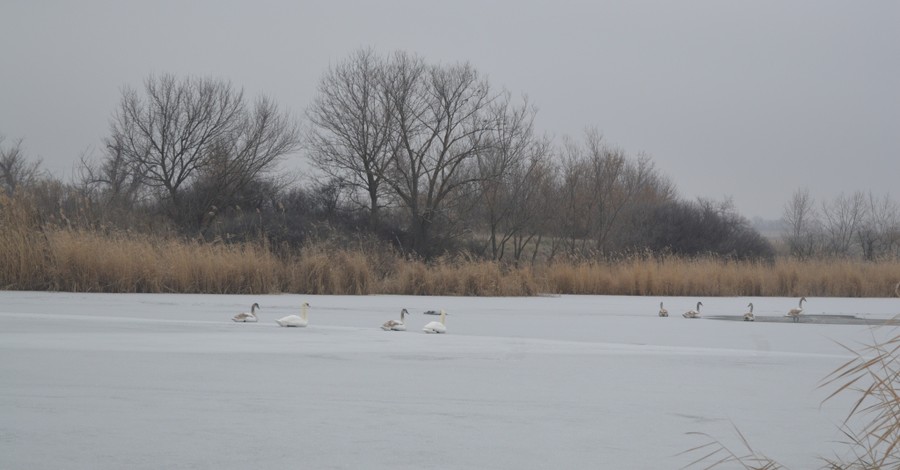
(122, 262)
(714, 453)
(714, 277)
(38, 256)
(23, 248)
(872, 426)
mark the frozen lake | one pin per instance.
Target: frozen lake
(109, 381)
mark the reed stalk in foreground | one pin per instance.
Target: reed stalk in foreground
(873, 375)
(714, 454)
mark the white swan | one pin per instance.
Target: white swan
(749, 315)
(294, 320)
(437, 327)
(396, 325)
(663, 312)
(796, 312)
(247, 317)
(693, 313)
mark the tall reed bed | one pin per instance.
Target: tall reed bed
(717, 277)
(24, 257)
(326, 270)
(38, 256)
(123, 262)
(459, 276)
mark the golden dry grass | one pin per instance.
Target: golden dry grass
(124, 262)
(37, 256)
(714, 277)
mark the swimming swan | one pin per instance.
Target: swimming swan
(396, 325)
(749, 315)
(294, 320)
(663, 312)
(796, 312)
(437, 327)
(245, 317)
(693, 313)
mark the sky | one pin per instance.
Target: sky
(748, 101)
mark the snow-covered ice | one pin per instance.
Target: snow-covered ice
(110, 381)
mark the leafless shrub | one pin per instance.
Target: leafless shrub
(16, 169)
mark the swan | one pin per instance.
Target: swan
(796, 312)
(396, 325)
(294, 320)
(245, 317)
(436, 326)
(693, 313)
(663, 312)
(749, 315)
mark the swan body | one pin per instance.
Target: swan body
(396, 325)
(796, 312)
(298, 321)
(247, 317)
(749, 315)
(662, 311)
(436, 327)
(693, 313)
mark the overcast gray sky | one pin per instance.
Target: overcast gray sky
(747, 100)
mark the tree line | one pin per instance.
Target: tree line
(429, 158)
(859, 225)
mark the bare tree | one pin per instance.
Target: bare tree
(803, 225)
(512, 155)
(442, 120)
(607, 168)
(578, 201)
(114, 180)
(244, 156)
(841, 221)
(168, 131)
(644, 187)
(193, 137)
(550, 218)
(528, 220)
(15, 168)
(600, 185)
(352, 127)
(619, 183)
(878, 234)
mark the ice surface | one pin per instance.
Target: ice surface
(108, 381)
